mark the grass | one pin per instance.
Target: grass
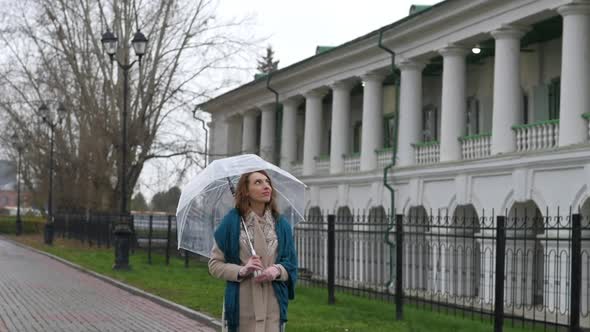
(194, 288)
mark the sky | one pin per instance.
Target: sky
(294, 29)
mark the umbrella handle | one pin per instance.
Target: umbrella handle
(231, 186)
(248, 237)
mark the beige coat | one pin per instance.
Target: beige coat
(259, 309)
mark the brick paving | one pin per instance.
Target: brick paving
(39, 294)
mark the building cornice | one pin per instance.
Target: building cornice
(575, 156)
(415, 37)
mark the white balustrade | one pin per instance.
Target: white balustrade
(537, 136)
(427, 152)
(352, 163)
(322, 165)
(384, 157)
(476, 146)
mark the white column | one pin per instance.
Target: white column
(249, 132)
(410, 113)
(267, 132)
(507, 107)
(288, 133)
(219, 142)
(313, 127)
(575, 73)
(340, 125)
(454, 102)
(372, 136)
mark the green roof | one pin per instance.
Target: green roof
(260, 75)
(321, 49)
(418, 8)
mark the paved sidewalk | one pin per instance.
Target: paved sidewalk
(38, 293)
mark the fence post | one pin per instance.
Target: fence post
(88, 231)
(168, 239)
(331, 257)
(108, 230)
(98, 231)
(399, 296)
(66, 217)
(576, 273)
(133, 237)
(150, 239)
(500, 262)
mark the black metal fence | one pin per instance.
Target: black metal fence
(362, 255)
(152, 233)
(520, 268)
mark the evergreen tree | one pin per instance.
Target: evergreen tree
(267, 63)
(138, 203)
(166, 201)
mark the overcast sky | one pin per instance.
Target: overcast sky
(294, 29)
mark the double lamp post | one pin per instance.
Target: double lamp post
(122, 229)
(51, 121)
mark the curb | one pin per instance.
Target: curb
(200, 317)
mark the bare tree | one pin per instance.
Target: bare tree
(52, 53)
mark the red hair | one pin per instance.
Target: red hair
(242, 200)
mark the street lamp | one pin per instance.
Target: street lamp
(19, 148)
(49, 118)
(122, 230)
(204, 124)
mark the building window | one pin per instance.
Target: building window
(525, 109)
(554, 97)
(429, 123)
(389, 130)
(357, 135)
(472, 116)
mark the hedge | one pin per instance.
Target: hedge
(31, 225)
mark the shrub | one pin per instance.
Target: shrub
(31, 225)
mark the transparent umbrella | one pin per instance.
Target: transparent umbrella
(206, 199)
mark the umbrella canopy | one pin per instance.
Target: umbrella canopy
(206, 199)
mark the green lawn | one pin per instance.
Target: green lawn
(309, 311)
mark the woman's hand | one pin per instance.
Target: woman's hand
(269, 274)
(254, 264)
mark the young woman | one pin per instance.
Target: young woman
(258, 286)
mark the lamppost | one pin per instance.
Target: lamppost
(122, 230)
(50, 120)
(204, 124)
(19, 148)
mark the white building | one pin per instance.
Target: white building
(502, 130)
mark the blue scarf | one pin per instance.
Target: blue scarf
(227, 237)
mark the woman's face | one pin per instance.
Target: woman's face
(259, 188)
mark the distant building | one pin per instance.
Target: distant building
(8, 190)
